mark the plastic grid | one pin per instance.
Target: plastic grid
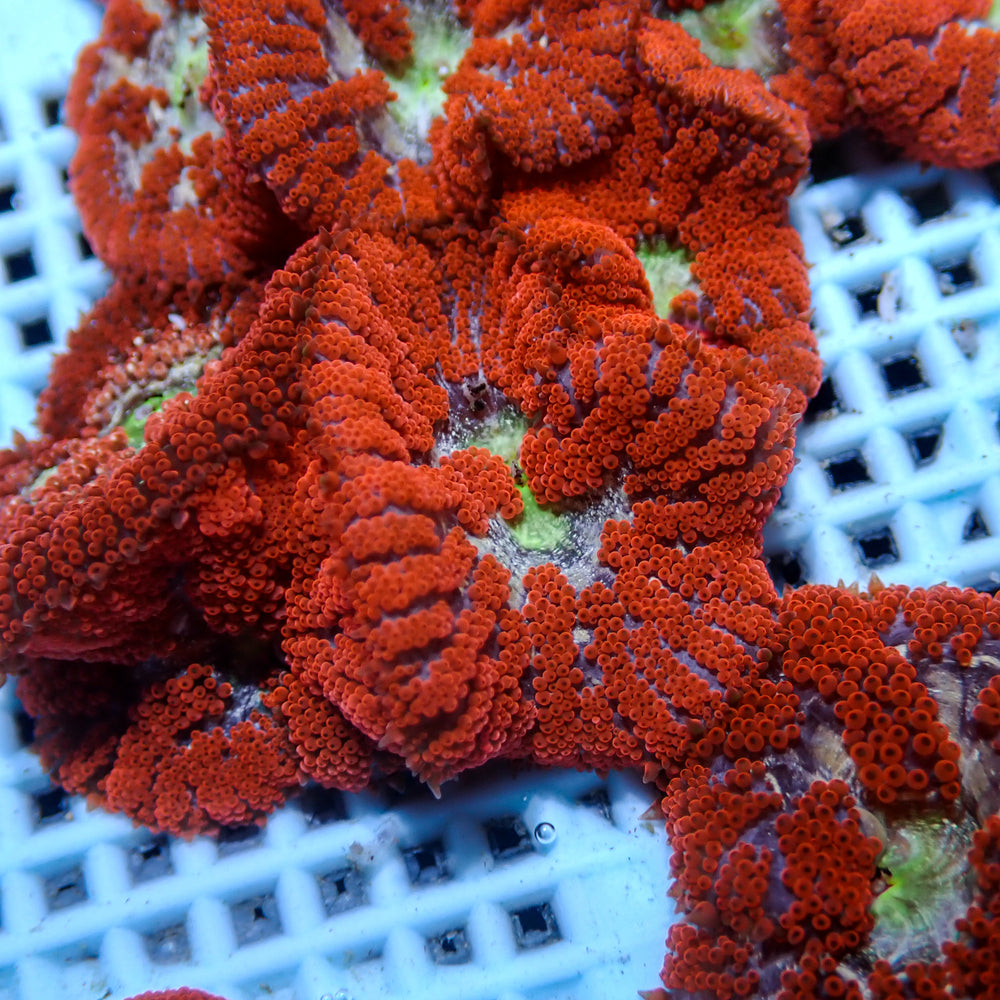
(538, 886)
(543, 885)
(898, 468)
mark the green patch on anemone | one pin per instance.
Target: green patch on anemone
(924, 866)
(439, 43)
(733, 33)
(134, 424)
(538, 528)
(668, 271)
(187, 73)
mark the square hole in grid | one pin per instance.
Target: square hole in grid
(844, 230)
(992, 174)
(867, 299)
(929, 201)
(7, 195)
(321, 806)
(786, 569)
(65, 887)
(84, 248)
(975, 527)
(236, 839)
(828, 161)
(341, 889)
(450, 947)
(427, 864)
(825, 404)
(847, 470)
(875, 546)
(24, 725)
(924, 443)
(956, 275)
(255, 918)
(534, 926)
(507, 837)
(52, 807)
(51, 107)
(149, 860)
(902, 374)
(35, 332)
(169, 945)
(599, 801)
(19, 265)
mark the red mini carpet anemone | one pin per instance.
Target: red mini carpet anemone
(447, 486)
(921, 75)
(159, 192)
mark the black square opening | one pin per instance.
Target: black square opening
(825, 403)
(149, 860)
(86, 251)
(52, 111)
(322, 806)
(25, 726)
(535, 926)
(67, 888)
(828, 160)
(929, 202)
(507, 837)
(427, 863)
(51, 806)
(847, 470)
(785, 569)
(599, 801)
(923, 444)
(20, 265)
(168, 945)
(849, 230)
(235, 839)
(450, 948)
(36, 332)
(342, 890)
(867, 299)
(903, 374)
(877, 548)
(975, 528)
(255, 919)
(7, 192)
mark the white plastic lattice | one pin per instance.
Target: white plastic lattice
(48, 275)
(899, 457)
(533, 886)
(538, 885)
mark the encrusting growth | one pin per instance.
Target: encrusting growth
(454, 482)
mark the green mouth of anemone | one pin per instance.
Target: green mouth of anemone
(928, 886)
(538, 528)
(732, 33)
(439, 42)
(187, 73)
(668, 271)
(134, 424)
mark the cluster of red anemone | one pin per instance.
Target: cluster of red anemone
(445, 487)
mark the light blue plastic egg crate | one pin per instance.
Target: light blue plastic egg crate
(515, 886)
